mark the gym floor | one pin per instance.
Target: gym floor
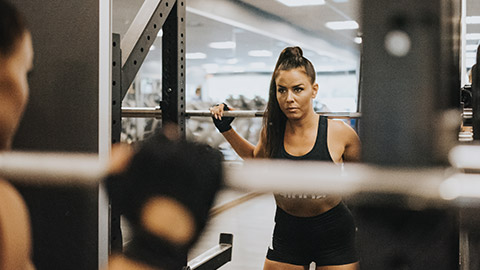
(251, 224)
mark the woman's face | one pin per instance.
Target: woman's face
(14, 69)
(295, 93)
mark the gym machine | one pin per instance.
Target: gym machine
(128, 55)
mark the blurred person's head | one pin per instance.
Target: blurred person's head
(16, 60)
(16, 56)
(165, 192)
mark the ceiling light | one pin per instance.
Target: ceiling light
(473, 20)
(298, 3)
(196, 55)
(358, 40)
(223, 45)
(471, 47)
(474, 36)
(260, 53)
(160, 33)
(342, 25)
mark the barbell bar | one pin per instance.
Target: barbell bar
(156, 112)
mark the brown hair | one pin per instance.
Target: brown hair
(274, 119)
(12, 27)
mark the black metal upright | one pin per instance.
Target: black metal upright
(410, 81)
(173, 65)
(410, 119)
(476, 97)
(169, 15)
(115, 237)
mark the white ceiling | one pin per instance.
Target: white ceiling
(205, 24)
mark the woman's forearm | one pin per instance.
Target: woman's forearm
(243, 147)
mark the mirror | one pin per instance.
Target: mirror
(231, 51)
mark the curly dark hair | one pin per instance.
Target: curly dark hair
(274, 119)
(12, 27)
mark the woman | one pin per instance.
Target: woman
(308, 227)
(16, 57)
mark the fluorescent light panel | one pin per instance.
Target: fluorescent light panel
(223, 45)
(473, 20)
(196, 55)
(342, 25)
(299, 3)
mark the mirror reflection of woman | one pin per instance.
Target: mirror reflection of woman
(308, 227)
(16, 61)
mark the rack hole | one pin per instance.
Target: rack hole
(135, 62)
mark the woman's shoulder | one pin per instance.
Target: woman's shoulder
(339, 128)
(15, 243)
(338, 125)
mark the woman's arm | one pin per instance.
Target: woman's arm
(242, 147)
(352, 151)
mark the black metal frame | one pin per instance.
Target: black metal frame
(173, 68)
(215, 257)
(169, 15)
(115, 234)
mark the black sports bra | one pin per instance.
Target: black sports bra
(319, 150)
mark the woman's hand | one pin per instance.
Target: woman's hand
(222, 124)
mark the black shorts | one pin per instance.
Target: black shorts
(326, 239)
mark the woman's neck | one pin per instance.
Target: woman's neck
(308, 121)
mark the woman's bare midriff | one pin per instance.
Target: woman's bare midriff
(306, 205)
